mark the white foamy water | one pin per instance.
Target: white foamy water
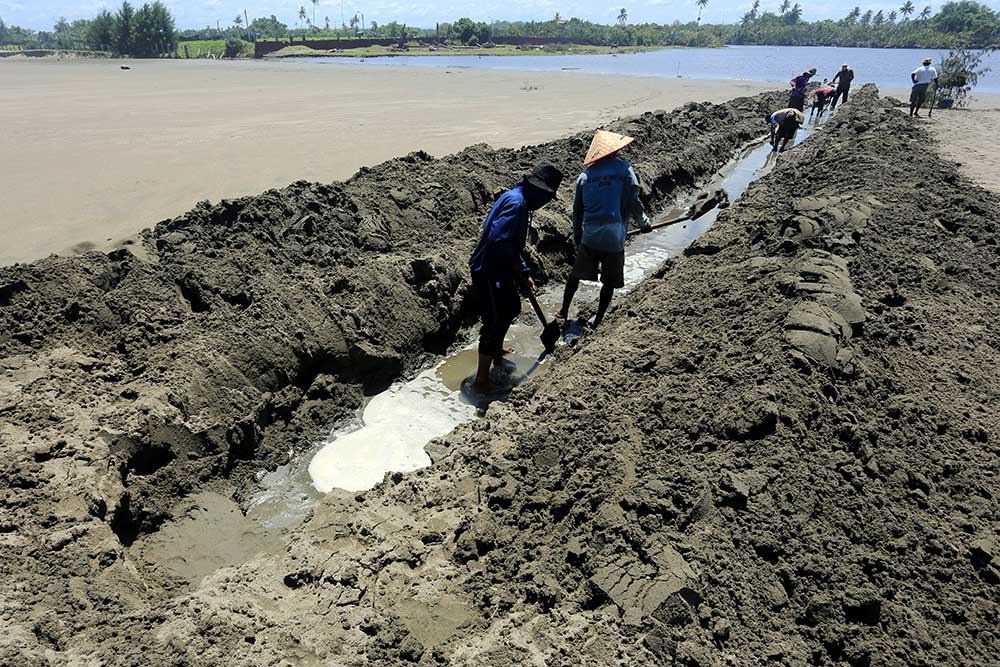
(398, 423)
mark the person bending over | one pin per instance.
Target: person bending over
(797, 98)
(785, 123)
(820, 97)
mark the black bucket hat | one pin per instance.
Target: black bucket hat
(545, 176)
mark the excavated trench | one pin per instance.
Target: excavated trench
(226, 341)
(780, 449)
(389, 433)
(264, 319)
(733, 470)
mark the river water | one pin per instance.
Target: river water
(394, 427)
(888, 68)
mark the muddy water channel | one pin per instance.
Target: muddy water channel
(394, 427)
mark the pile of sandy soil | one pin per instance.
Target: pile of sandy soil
(782, 449)
(234, 335)
(298, 51)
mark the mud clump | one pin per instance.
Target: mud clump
(239, 332)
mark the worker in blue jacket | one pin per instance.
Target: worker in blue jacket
(607, 197)
(497, 264)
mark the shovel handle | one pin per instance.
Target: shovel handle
(659, 225)
(534, 304)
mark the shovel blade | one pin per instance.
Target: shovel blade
(550, 336)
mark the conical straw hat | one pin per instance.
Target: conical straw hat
(604, 144)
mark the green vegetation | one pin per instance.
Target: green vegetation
(585, 32)
(234, 46)
(201, 48)
(146, 32)
(959, 73)
(149, 30)
(962, 24)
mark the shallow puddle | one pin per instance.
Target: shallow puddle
(209, 532)
(396, 425)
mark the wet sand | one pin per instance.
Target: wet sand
(93, 153)
(971, 137)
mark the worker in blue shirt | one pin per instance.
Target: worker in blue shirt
(797, 98)
(497, 264)
(607, 196)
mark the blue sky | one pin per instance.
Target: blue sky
(41, 14)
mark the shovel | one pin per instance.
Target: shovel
(550, 330)
(658, 225)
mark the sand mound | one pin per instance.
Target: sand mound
(782, 450)
(239, 332)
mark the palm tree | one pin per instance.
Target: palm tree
(315, 4)
(302, 14)
(879, 18)
(853, 15)
(238, 21)
(795, 13)
(925, 13)
(893, 16)
(785, 6)
(622, 17)
(907, 8)
(747, 19)
(701, 5)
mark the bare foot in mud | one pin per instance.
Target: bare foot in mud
(559, 315)
(504, 351)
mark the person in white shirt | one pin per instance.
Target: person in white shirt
(922, 78)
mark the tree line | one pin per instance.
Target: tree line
(963, 24)
(149, 30)
(959, 24)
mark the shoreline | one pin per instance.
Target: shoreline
(302, 50)
(158, 145)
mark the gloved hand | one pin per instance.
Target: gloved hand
(645, 227)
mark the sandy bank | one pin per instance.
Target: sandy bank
(971, 138)
(243, 332)
(782, 445)
(94, 153)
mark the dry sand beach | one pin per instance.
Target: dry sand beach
(93, 153)
(971, 137)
